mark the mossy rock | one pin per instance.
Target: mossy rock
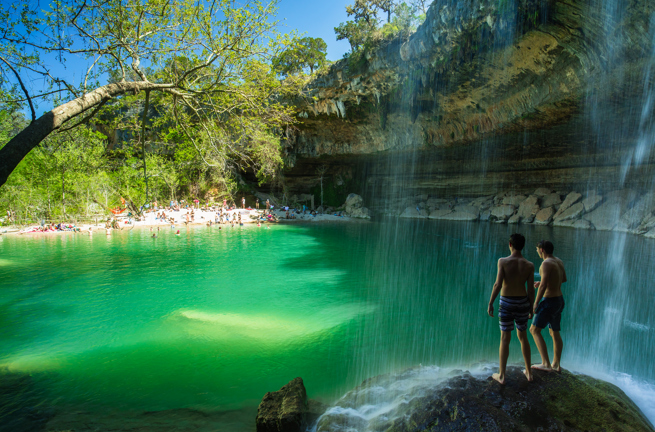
(552, 402)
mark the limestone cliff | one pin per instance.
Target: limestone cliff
(486, 97)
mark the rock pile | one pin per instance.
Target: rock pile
(621, 210)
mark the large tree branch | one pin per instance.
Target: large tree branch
(30, 137)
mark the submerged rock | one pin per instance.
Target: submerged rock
(411, 402)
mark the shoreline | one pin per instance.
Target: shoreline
(203, 218)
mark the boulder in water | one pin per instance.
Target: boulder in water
(284, 410)
(413, 213)
(545, 216)
(502, 212)
(573, 212)
(528, 209)
(411, 402)
(570, 199)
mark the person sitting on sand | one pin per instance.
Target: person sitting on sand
(549, 310)
(514, 273)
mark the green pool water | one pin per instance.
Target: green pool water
(213, 319)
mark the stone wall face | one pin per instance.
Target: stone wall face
(480, 101)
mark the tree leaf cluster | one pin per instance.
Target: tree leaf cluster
(366, 29)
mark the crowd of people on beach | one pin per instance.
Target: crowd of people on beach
(45, 228)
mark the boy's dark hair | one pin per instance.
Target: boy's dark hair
(546, 246)
(517, 241)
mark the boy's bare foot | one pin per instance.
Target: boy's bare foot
(542, 367)
(528, 374)
(556, 368)
(496, 376)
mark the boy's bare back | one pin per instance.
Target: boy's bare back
(517, 271)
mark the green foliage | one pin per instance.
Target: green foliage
(303, 53)
(355, 32)
(364, 31)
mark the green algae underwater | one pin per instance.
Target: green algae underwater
(213, 319)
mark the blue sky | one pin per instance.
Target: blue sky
(317, 18)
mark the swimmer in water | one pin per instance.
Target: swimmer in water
(154, 236)
(177, 233)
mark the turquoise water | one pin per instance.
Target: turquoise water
(212, 320)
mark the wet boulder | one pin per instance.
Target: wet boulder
(463, 402)
(284, 410)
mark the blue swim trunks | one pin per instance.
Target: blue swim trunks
(549, 312)
(513, 309)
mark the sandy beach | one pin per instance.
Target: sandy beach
(201, 217)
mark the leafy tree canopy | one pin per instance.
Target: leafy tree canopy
(210, 61)
(364, 29)
(306, 52)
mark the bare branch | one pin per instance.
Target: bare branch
(22, 86)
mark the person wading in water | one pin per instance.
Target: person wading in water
(514, 282)
(549, 310)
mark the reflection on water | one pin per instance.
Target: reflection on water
(212, 320)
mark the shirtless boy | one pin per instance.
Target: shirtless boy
(514, 282)
(549, 310)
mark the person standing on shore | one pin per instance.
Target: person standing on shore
(243, 202)
(514, 282)
(268, 204)
(257, 203)
(548, 306)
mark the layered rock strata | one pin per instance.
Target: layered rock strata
(489, 96)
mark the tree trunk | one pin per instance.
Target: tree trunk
(63, 195)
(30, 137)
